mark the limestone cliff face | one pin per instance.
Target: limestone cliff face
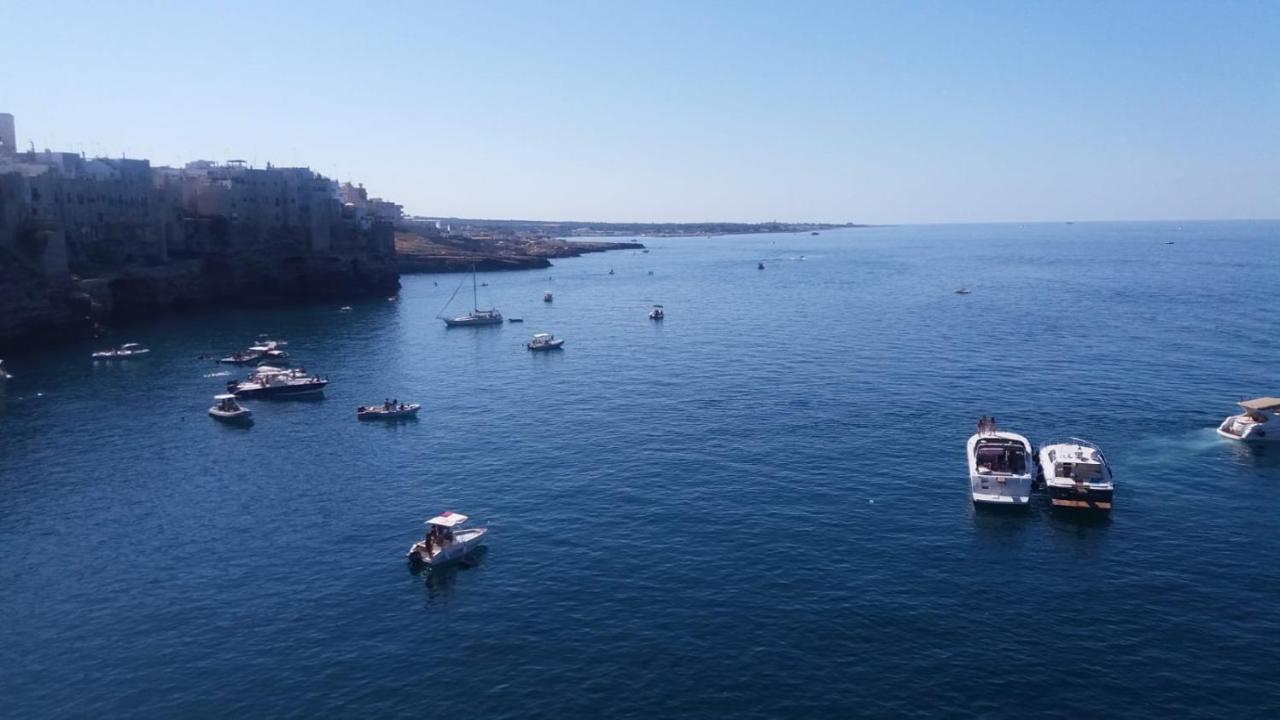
(76, 252)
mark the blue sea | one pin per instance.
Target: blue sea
(757, 508)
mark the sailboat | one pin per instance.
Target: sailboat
(476, 316)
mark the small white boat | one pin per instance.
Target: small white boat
(4, 374)
(657, 313)
(545, 341)
(264, 351)
(443, 543)
(1000, 468)
(547, 296)
(226, 409)
(1076, 475)
(1259, 421)
(345, 308)
(387, 411)
(124, 352)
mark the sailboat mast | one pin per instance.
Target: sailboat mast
(475, 299)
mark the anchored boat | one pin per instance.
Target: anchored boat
(1076, 475)
(1000, 468)
(124, 352)
(477, 316)
(264, 351)
(657, 313)
(226, 409)
(444, 543)
(274, 382)
(387, 411)
(545, 341)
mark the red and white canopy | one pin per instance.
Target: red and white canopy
(448, 519)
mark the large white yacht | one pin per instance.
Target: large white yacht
(274, 382)
(1076, 475)
(1000, 468)
(1259, 421)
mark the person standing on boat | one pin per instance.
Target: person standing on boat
(982, 425)
(991, 424)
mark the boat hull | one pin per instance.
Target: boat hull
(411, 412)
(281, 391)
(1240, 429)
(544, 347)
(472, 321)
(121, 356)
(1072, 497)
(245, 416)
(464, 543)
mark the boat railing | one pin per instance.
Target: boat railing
(1071, 441)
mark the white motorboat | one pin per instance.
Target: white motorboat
(476, 317)
(242, 357)
(387, 411)
(1259, 421)
(124, 352)
(443, 543)
(226, 409)
(268, 351)
(345, 308)
(1000, 468)
(4, 374)
(547, 296)
(1076, 475)
(545, 341)
(657, 313)
(275, 382)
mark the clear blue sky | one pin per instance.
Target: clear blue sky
(880, 112)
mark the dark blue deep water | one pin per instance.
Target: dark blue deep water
(758, 508)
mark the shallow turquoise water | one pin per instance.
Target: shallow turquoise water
(757, 508)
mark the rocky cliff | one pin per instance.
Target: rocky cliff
(75, 254)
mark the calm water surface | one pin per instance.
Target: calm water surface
(758, 508)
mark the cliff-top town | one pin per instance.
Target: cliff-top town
(84, 240)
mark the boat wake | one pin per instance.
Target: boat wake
(220, 373)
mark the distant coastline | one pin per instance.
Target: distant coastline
(440, 245)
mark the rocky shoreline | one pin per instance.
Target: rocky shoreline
(416, 253)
